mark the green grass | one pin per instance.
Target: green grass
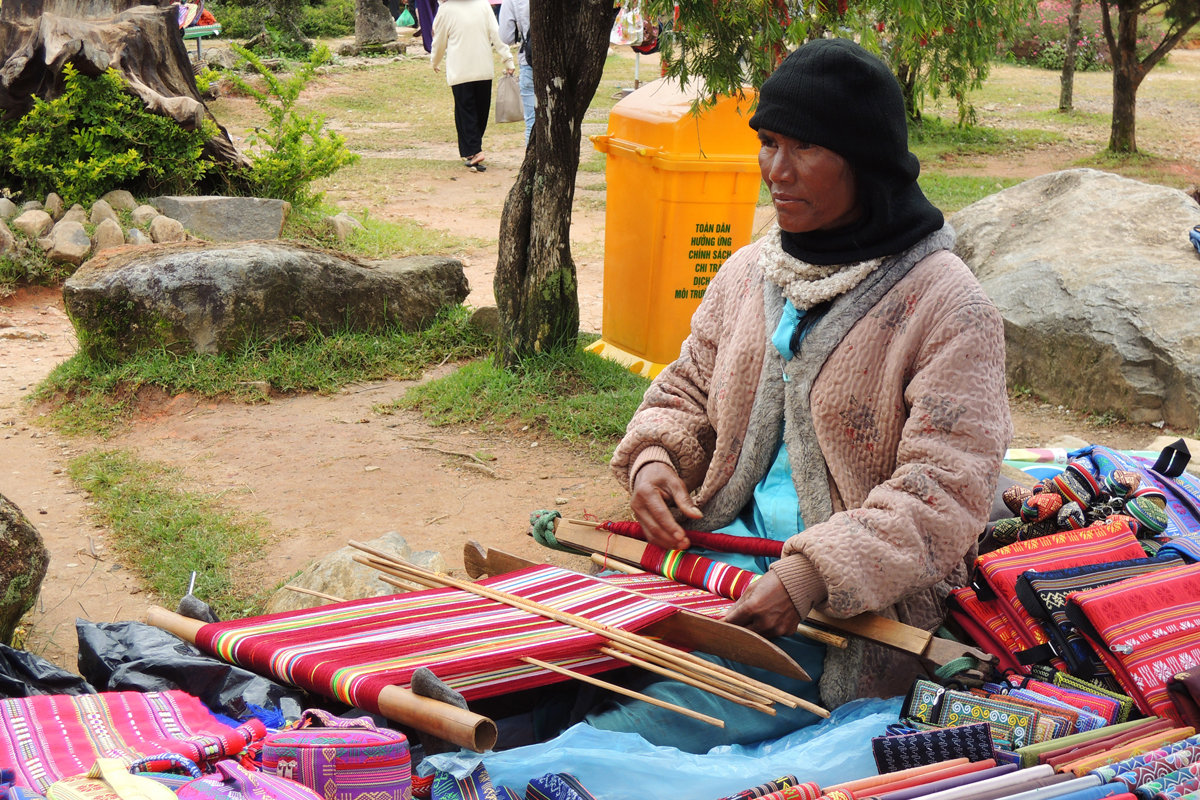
(577, 397)
(166, 533)
(380, 238)
(935, 138)
(953, 192)
(89, 396)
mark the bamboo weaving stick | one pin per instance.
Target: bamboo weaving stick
(679, 676)
(612, 687)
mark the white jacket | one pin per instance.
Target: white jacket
(464, 34)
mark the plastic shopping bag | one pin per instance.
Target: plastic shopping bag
(508, 100)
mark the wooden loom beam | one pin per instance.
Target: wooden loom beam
(445, 721)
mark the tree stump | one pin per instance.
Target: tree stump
(141, 42)
(373, 24)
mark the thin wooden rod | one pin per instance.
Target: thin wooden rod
(629, 641)
(747, 691)
(682, 678)
(322, 595)
(616, 566)
(612, 687)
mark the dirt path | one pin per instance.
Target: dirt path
(324, 469)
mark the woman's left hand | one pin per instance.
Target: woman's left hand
(767, 608)
(510, 70)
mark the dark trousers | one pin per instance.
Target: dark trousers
(472, 103)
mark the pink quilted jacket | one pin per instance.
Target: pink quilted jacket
(897, 422)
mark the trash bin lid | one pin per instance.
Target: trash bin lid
(658, 115)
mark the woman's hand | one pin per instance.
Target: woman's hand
(655, 489)
(510, 70)
(767, 608)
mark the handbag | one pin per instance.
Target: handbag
(232, 781)
(346, 759)
(508, 100)
(1146, 630)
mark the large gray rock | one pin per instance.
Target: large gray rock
(1097, 282)
(69, 243)
(339, 575)
(23, 562)
(227, 219)
(8, 209)
(211, 298)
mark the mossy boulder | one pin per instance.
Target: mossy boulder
(213, 298)
(23, 562)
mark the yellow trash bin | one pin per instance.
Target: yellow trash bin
(681, 192)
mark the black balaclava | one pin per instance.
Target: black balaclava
(833, 93)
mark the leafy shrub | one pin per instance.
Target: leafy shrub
(1042, 40)
(328, 20)
(239, 21)
(97, 136)
(291, 150)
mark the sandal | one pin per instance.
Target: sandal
(475, 160)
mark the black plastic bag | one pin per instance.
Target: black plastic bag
(22, 674)
(131, 656)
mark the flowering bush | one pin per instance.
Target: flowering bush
(1042, 40)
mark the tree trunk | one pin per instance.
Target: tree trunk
(907, 74)
(373, 24)
(535, 282)
(141, 42)
(1127, 76)
(1066, 97)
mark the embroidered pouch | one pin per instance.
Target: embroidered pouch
(1012, 725)
(1067, 681)
(919, 748)
(1099, 706)
(997, 571)
(341, 759)
(1146, 629)
(232, 781)
(1044, 596)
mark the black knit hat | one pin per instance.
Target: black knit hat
(833, 93)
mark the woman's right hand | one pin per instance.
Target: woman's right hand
(657, 487)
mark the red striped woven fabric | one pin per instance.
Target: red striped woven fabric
(1146, 629)
(677, 594)
(351, 650)
(1110, 540)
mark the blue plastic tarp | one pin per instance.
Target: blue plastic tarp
(624, 766)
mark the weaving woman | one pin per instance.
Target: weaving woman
(842, 390)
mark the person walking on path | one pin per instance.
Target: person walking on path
(464, 34)
(514, 28)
